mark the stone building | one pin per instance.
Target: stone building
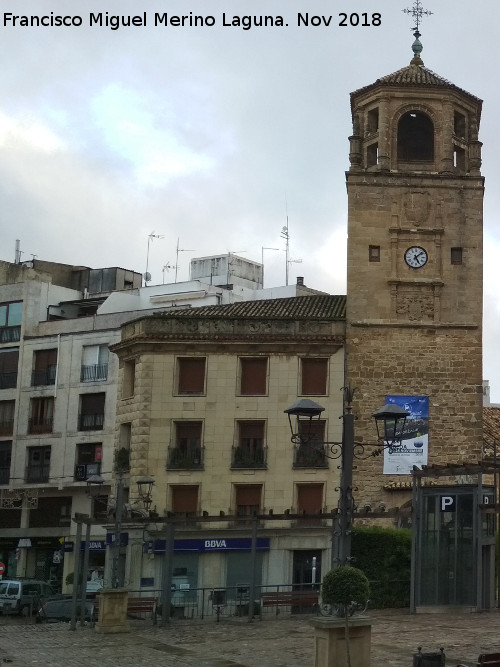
(201, 406)
(414, 269)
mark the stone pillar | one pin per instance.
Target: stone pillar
(329, 641)
(112, 611)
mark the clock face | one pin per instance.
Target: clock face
(416, 257)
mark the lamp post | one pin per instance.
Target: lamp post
(390, 422)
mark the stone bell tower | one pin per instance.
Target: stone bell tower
(414, 270)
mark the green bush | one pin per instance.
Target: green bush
(384, 555)
(347, 588)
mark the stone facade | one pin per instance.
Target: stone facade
(415, 182)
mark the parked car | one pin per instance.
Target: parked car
(23, 596)
(53, 611)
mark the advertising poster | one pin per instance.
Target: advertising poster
(414, 447)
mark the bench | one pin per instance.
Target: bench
(487, 660)
(136, 605)
(289, 599)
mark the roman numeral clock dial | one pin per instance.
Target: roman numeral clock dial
(416, 257)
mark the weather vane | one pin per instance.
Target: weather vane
(418, 12)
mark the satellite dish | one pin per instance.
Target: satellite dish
(147, 277)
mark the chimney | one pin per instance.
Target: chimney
(17, 255)
(300, 280)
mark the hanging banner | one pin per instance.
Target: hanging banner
(414, 447)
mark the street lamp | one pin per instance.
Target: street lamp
(390, 421)
(145, 487)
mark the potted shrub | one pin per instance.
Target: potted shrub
(347, 589)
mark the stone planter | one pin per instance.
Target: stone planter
(112, 611)
(329, 641)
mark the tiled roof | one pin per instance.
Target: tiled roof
(311, 307)
(491, 427)
(414, 75)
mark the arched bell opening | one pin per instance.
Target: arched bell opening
(415, 141)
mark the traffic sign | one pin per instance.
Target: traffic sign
(2, 568)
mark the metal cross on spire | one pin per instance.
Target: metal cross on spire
(418, 12)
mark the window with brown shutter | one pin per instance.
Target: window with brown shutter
(42, 415)
(191, 375)
(44, 368)
(9, 360)
(314, 374)
(253, 376)
(185, 499)
(7, 417)
(248, 499)
(309, 500)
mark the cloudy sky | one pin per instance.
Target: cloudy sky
(212, 135)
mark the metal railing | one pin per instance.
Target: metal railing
(8, 380)
(181, 459)
(37, 474)
(40, 425)
(94, 422)
(243, 457)
(310, 457)
(45, 377)
(7, 427)
(10, 334)
(94, 373)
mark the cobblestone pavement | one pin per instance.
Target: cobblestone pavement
(281, 642)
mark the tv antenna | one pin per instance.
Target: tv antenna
(178, 250)
(166, 268)
(147, 275)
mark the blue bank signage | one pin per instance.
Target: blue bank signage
(205, 545)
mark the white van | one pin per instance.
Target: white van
(22, 596)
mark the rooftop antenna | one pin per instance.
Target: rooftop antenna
(147, 275)
(264, 248)
(178, 250)
(285, 235)
(166, 268)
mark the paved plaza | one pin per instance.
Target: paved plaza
(234, 642)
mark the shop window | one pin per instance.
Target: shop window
(42, 415)
(253, 376)
(91, 416)
(191, 375)
(9, 360)
(415, 138)
(38, 469)
(250, 451)
(238, 567)
(7, 417)
(128, 378)
(187, 450)
(94, 363)
(248, 499)
(5, 456)
(374, 253)
(314, 375)
(456, 255)
(185, 500)
(44, 368)
(10, 321)
(309, 500)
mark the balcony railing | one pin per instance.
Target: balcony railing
(41, 425)
(4, 474)
(43, 378)
(249, 458)
(180, 459)
(310, 457)
(94, 373)
(7, 427)
(94, 422)
(10, 334)
(8, 380)
(38, 474)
